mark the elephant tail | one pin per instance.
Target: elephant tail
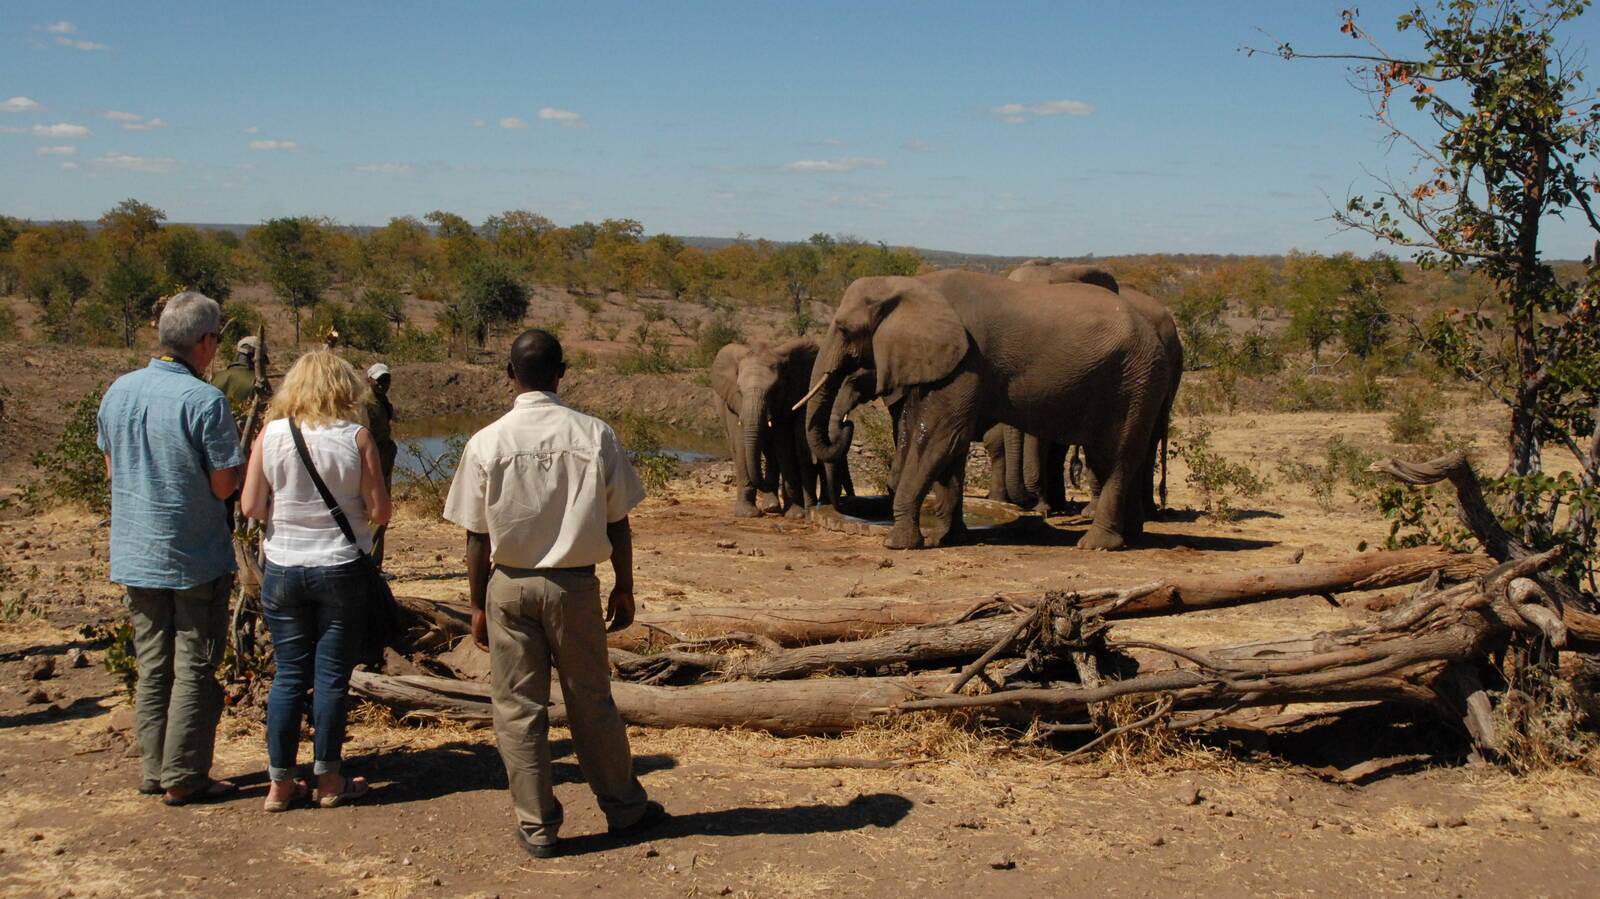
(1163, 485)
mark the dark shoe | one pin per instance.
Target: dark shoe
(653, 814)
(538, 850)
(210, 791)
(151, 788)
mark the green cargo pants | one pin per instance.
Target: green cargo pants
(178, 636)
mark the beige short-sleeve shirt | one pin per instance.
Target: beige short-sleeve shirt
(543, 481)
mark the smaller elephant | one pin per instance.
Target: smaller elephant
(757, 388)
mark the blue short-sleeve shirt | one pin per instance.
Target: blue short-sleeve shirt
(166, 432)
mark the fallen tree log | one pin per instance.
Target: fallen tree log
(854, 620)
(786, 708)
(1415, 654)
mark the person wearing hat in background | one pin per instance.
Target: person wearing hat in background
(380, 413)
(238, 381)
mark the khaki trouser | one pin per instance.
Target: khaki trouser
(178, 636)
(538, 618)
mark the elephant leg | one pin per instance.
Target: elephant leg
(794, 460)
(937, 428)
(767, 497)
(949, 526)
(1053, 484)
(744, 492)
(994, 443)
(1016, 471)
(1105, 532)
(1033, 472)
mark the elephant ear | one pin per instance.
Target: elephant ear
(725, 372)
(919, 340)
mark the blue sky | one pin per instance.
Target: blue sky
(1058, 128)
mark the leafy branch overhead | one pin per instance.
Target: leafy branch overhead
(1505, 138)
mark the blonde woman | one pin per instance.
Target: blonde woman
(313, 587)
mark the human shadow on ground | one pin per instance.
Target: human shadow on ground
(82, 707)
(868, 810)
(414, 775)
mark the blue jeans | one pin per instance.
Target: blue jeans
(315, 615)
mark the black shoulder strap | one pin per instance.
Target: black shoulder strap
(322, 488)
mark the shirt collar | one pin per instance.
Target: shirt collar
(175, 365)
(531, 398)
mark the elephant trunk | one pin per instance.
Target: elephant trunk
(823, 428)
(752, 421)
(1016, 488)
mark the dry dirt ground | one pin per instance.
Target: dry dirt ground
(1233, 814)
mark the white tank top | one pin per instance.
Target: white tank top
(301, 531)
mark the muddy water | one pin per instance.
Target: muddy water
(432, 433)
(977, 514)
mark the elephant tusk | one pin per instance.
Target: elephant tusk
(809, 394)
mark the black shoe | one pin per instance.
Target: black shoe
(538, 850)
(151, 788)
(653, 814)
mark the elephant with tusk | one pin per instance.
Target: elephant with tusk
(758, 389)
(968, 351)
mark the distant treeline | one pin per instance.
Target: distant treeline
(97, 283)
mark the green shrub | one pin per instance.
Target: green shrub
(1414, 418)
(718, 331)
(240, 319)
(74, 469)
(652, 356)
(1219, 481)
(655, 469)
(413, 344)
(366, 329)
(9, 329)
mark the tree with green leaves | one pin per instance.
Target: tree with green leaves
(1506, 139)
(288, 248)
(132, 282)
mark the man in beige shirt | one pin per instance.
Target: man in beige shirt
(544, 494)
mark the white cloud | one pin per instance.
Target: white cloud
(566, 117)
(60, 130)
(147, 125)
(56, 151)
(123, 116)
(252, 130)
(918, 146)
(1016, 113)
(387, 168)
(512, 123)
(62, 27)
(287, 146)
(80, 45)
(69, 165)
(845, 164)
(159, 165)
(826, 142)
(19, 104)
(478, 123)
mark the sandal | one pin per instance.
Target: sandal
(354, 788)
(210, 791)
(301, 793)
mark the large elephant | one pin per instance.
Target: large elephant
(758, 388)
(971, 350)
(1036, 271)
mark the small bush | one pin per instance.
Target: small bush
(719, 331)
(9, 329)
(416, 345)
(240, 319)
(1219, 481)
(427, 485)
(1303, 393)
(366, 329)
(1414, 418)
(655, 469)
(652, 356)
(74, 468)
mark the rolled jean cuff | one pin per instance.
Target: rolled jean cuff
(331, 766)
(280, 774)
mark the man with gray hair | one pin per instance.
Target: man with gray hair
(172, 454)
